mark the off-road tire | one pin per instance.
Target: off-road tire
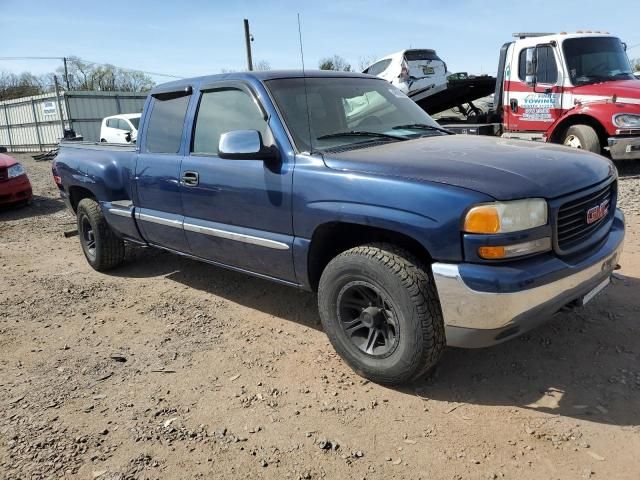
(409, 284)
(587, 136)
(109, 249)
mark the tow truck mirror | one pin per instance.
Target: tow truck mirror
(531, 67)
(245, 145)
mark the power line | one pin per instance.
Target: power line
(94, 63)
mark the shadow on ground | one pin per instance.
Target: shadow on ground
(38, 207)
(251, 292)
(582, 364)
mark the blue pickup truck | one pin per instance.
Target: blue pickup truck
(413, 238)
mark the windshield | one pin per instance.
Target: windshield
(348, 112)
(596, 59)
(135, 121)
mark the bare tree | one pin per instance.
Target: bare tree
(259, 66)
(365, 61)
(22, 85)
(262, 65)
(335, 62)
(89, 76)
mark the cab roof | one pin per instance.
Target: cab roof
(258, 75)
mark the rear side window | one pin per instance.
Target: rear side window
(547, 68)
(135, 121)
(166, 123)
(222, 111)
(378, 67)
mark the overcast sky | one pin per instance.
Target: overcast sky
(189, 38)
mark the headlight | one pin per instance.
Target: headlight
(15, 170)
(626, 120)
(506, 217)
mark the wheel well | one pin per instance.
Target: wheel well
(78, 193)
(331, 239)
(561, 128)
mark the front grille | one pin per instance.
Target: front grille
(3, 174)
(572, 227)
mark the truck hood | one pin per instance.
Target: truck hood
(6, 161)
(501, 168)
(626, 91)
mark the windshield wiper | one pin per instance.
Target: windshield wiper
(360, 134)
(422, 126)
(629, 75)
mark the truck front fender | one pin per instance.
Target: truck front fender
(598, 114)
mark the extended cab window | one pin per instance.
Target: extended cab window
(166, 123)
(222, 111)
(547, 68)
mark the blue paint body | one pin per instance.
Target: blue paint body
(419, 188)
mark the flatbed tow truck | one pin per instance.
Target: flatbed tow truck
(575, 89)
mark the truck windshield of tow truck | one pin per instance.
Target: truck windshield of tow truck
(596, 59)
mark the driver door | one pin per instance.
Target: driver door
(237, 212)
(535, 108)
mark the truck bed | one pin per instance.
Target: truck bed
(458, 92)
(120, 147)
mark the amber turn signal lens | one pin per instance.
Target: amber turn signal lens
(482, 219)
(491, 253)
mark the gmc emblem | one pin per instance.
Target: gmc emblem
(599, 211)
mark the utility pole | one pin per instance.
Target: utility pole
(55, 81)
(66, 73)
(248, 39)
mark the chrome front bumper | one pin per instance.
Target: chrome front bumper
(624, 148)
(476, 319)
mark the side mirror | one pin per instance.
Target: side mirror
(531, 67)
(245, 145)
(127, 137)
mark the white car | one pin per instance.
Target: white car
(417, 72)
(120, 128)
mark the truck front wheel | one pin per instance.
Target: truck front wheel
(583, 137)
(380, 310)
(102, 248)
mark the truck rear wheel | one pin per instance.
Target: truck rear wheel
(102, 248)
(583, 137)
(380, 310)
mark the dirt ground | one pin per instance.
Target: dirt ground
(171, 369)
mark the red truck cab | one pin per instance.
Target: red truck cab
(14, 183)
(575, 89)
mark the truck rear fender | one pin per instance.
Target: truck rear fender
(106, 179)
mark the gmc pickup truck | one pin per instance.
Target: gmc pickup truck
(414, 238)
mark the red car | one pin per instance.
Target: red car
(14, 183)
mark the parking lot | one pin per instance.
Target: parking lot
(167, 368)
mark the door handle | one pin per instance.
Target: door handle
(190, 179)
(514, 104)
